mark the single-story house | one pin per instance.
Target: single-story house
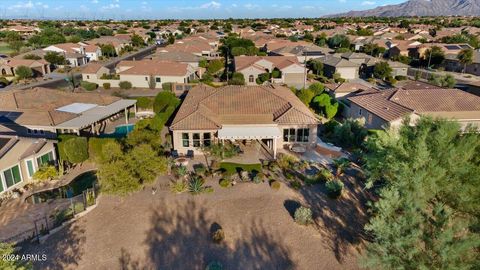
(40, 67)
(44, 112)
(93, 72)
(271, 115)
(347, 69)
(291, 71)
(302, 52)
(21, 157)
(451, 63)
(384, 109)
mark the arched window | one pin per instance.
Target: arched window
(251, 78)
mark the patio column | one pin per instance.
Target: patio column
(126, 116)
(274, 148)
(135, 109)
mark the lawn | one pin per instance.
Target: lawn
(4, 48)
(231, 168)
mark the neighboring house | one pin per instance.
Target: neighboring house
(44, 112)
(117, 43)
(21, 157)
(76, 54)
(93, 72)
(347, 69)
(448, 49)
(347, 89)
(180, 57)
(140, 73)
(367, 64)
(195, 45)
(302, 52)
(291, 71)
(387, 108)
(40, 67)
(451, 63)
(271, 115)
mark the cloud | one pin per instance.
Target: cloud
(94, 1)
(368, 3)
(58, 8)
(250, 6)
(212, 4)
(310, 7)
(111, 6)
(22, 5)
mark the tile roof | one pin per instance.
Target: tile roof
(337, 62)
(153, 67)
(280, 62)
(210, 108)
(396, 103)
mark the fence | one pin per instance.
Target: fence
(55, 218)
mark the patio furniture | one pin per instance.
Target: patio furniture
(174, 154)
(190, 154)
(297, 148)
(181, 162)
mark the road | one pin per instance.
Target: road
(55, 79)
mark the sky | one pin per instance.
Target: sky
(179, 9)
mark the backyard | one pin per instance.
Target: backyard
(163, 230)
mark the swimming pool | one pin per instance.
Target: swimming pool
(123, 130)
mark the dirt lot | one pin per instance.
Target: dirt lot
(167, 231)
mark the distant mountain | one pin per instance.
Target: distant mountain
(420, 8)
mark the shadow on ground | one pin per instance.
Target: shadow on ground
(340, 221)
(180, 238)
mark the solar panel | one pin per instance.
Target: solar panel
(452, 47)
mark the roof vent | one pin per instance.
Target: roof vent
(386, 108)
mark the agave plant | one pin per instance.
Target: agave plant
(195, 185)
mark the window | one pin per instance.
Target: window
(88, 76)
(29, 131)
(12, 176)
(302, 134)
(45, 159)
(251, 78)
(291, 135)
(30, 168)
(285, 135)
(207, 139)
(158, 79)
(359, 111)
(146, 78)
(185, 140)
(196, 139)
(296, 135)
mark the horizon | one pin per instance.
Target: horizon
(183, 9)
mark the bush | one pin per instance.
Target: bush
(325, 175)
(275, 185)
(178, 187)
(145, 102)
(237, 79)
(167, 86)
(303, 216)
(295, 184)
(106, 85)
(224, 182)
(45, 173)
(200, 169)
(89, 86)
(125, 85)
(218, 236)
(400, 77)
(334, 188)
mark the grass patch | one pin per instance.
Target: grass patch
(4, 48)
(232, 168)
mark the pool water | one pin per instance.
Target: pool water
(76, 187)
(124, 129)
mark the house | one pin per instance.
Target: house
(451, 63)
(116, 42)
(76, 54)
(44, 113)
(347, 69)
(93, 72)
(387, 108)
(346, 89)
(141, 73)
(21, 157)
(302, 52)
(291, 71)
(40, 67)
(177, 56)
(271, 115)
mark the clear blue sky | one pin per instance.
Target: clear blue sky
(181, 9)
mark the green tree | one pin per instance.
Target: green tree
(23, 72)
(315, 66)
(237, 79)
(317, 88)
(465, 57)
(215, 66)
(306, 96)
(427, 212)
(434, 56)
(237, 51)
(137, 41)
(331, 110)
(448, 81)
(339, 41)
(108, 50)
(74, 149)
(55, 58)
(7, 250)
(382, 70)
(16, 45)
(146, 163)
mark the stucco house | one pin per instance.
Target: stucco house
(387, 108)
(21, 157)
(347, 69)
(76, 54)
(291, 71)
(270, 115)
(40, 67)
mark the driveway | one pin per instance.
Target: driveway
(168, 231)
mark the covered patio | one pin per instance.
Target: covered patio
(265, 135)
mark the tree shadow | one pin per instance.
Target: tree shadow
(63, 249)
(180, 238)
(340, 221)
(291, 206)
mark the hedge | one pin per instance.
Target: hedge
(125, 85)
(106, 85)
(89, 86)
(145, 102)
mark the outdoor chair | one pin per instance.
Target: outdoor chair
(190, 154)
(174, 154)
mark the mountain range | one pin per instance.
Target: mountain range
(420, 8)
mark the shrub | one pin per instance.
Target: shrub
(224, 182)
(400, 77)
(334, 188)
(178, 187)
(303, 216)
(45, 173)
(275, 185)
(218, 236)
(237, 79)
(89, 86)
(106, 85)
(295, 184)
(258, 178)
(214, 266)
(200, 169)
(167, 86)
(325, 175)
(195, 185)
(125, 85)
(145, 102)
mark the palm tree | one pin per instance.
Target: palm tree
(465, 56)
